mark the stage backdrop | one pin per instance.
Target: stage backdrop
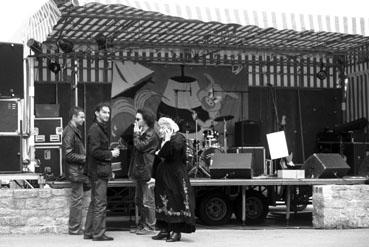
(180, 92)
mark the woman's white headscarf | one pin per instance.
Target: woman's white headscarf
(168, 122)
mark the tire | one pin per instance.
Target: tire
(215, 209)
(300, 198)
(257, 207)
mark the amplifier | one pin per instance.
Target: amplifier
(48, 131)
(258, 158)
(11, 112)
(50, 158)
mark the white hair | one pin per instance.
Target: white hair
(169, 123)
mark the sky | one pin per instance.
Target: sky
(14, 13)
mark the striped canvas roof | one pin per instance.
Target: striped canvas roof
(151, 24)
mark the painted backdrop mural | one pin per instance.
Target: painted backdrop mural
(192, 95)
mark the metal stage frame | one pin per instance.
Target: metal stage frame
(244, 183)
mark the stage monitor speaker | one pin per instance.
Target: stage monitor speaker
(10, 154)
(231, 165)
(247, 133)
(50, 160)
(258, 158)
(325, 165)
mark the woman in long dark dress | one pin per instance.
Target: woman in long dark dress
(174, 199)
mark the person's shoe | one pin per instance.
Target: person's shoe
(161, 235)
(175, 237)
(103, 238)
(145, 231)
(86, 236)
(134, 230)
(75, 233)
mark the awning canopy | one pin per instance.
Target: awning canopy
(148, 24)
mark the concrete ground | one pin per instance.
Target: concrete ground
(207, 237)
(273, 232)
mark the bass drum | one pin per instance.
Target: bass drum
(207, 154)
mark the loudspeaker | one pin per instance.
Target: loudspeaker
(50, 159)
(48, 131)
(11, 69)
(354, 152)
(325, 165)
(10, 116)
(247, 133)
(258, 158)
(231, 165)
(10, 154)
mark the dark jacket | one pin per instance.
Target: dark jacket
(98, 152)
(74, 153)
(143, 155)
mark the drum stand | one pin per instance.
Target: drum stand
(225, 135)
(197, 166)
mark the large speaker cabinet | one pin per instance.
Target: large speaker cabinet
(247, 133)
(11, 112)
(10, 154)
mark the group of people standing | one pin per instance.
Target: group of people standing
(163, 195)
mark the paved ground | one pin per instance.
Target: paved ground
(274, 232)
(208, 237)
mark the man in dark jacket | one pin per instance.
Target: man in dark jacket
(145, 142)
(99, 158)
(74, 155)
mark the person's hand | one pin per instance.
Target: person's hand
(194, 115)
(115, 152)
(151, 183)
(289, 159)
(167, 134)
(137, 129)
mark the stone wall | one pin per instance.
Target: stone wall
(35, 211)
(341, 206)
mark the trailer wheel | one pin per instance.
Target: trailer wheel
(257, 207)
(215, 209)
(300, 198)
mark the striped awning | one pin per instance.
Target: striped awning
(151, 24)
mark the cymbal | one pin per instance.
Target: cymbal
(222, 118)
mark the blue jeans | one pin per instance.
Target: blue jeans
(145, 201)
(75, 211)
(95, 225)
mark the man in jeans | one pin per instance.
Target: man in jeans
(99, 157)
(75, 157)
(146, 142)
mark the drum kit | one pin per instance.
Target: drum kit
(200, 150)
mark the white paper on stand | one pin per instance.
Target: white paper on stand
(277, 145)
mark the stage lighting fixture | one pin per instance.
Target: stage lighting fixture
(322, 74)
(65, 45)
(35, 46)
(101, 42)
(54, 67)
